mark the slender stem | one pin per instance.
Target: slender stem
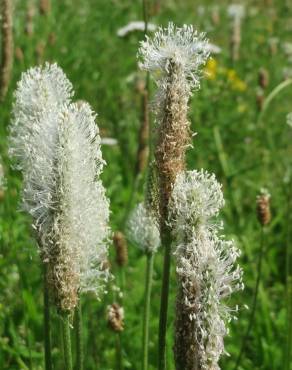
(138, 176)
(166, 243)
(273, 94)
(288, 359)
(148, 285)
(122, 282)
(254, 304)
(119, 357)
(128, 207)
(147, 86)
(66, 341)
(7, 46)
(47, 324)
(221, 152)
(145, 16)
(79, 337)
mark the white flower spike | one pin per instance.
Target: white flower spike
(185, 47)
(81, 220)
(206, 270)
(56, 144)
(144, 229)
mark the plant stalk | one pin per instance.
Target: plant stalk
(288, 350)
(166, 243)
(66, 341)
(7, 46)
(148, 285)
(79, 337)
(255, 298)
(47, 324)
(119, 357)
(145, 16)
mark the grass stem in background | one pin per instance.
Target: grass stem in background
(79, 337)
(145, 15)
(264, 218)
(147, 298)
(221, 153)
(66, 340)
(144, 136)
(254, 303)
(7, 46)
(273, 94)
(166, 244)
(288, 347)
(119, 355)
(47, 324)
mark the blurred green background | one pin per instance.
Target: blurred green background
(246, 155)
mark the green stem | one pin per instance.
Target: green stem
(148, 284)
(147, 86)
(145, 16)
(47, 325)
(288, 359)
(66, 341)
(79, 338)
(166, 243)
(272, 96)
(119, 357)
(221, 152)
(255, 298)
(128, 207)
(260, 122)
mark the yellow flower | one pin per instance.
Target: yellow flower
(242, 108)
(231, 75)
(235, 82)
(210, 69)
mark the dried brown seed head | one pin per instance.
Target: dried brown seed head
(143, 138)
(263, 78)
(45, 7)
(121, 247)
(115, 317)
(263, 207)
(52, 38)
(19, 54)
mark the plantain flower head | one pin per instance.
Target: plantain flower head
(173, 57)
(183, 46)
(143, 229)
(39, 96)
(197, 197)
(56, 145)
(206, 270)
(40, 90)
(80, 223)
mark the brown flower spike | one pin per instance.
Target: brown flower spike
(263, 207)
(174, 56)
(121, 247)
(115, 317)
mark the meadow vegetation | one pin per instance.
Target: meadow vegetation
(239, 115)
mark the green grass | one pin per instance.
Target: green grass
(244, 156)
